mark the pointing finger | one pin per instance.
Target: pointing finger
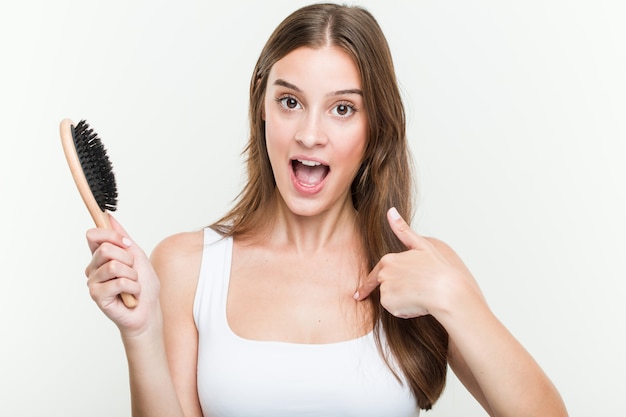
(368, 285)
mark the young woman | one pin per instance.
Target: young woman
(313, 296)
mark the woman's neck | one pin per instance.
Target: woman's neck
(310, 234)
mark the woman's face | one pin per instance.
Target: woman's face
(315, 127)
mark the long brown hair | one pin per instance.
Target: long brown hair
(418, 346)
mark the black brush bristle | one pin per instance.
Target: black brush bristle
(96, 166)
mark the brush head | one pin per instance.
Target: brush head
(96, 166)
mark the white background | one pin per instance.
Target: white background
(516, 117)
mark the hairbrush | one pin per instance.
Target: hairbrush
(93, 174)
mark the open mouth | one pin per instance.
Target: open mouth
(309, 173)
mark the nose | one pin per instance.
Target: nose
(311, 132)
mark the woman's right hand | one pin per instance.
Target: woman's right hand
(118, 266)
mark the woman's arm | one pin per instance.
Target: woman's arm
(177, 261)
(119, 265)
(430, 278)
(489, 361)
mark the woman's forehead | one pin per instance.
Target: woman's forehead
(328, 67)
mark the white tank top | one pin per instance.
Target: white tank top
(239, 377)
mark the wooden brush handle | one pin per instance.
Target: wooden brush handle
(100, 218)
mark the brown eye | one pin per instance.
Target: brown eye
(289, 103)
(343, 110)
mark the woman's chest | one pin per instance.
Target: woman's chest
(299, 299)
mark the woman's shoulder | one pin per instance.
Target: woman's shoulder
(445, 250)
(179, 255)
(439, 244)
(182, 244)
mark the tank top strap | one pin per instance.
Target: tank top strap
(212, 288)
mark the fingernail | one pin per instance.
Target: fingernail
(126, 241)
(356, 295)
(393, 213)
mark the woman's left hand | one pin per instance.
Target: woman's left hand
(422, 280)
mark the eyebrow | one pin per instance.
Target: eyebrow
(295, 88)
